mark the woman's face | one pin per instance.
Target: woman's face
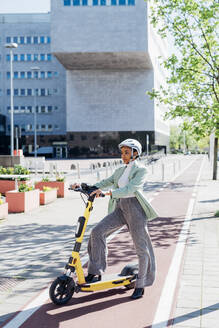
(126, 154)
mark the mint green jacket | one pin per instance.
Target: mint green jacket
(137, 177)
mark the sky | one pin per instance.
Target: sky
(24, 6)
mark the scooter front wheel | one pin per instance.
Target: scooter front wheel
(62, 290)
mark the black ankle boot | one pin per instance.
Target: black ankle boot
(92, 278)
(138, 293)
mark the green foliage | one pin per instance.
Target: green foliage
(216, 214)
(46, 179)
(60, 178)
(16, 170)
(23, 187)
(192, 89)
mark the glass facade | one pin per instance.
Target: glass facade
(99, 3)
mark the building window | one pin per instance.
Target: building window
(16, 92)
(49, 109)
(22, 92)
(103, 2)
(29, 92)
(83, 138)
(35, 57)
(8, 39)
(49, 75)
(49, 57)
(22, 75)
(56, 74)
(42, 57)
(8, 75)
(15, 75)
(48, 39)
(8, 58)
(28, 39)
(15, 58)
(95, 2)
(35, 39)
(22, 57)
(29, 57)
(42, 75)
(84, 2)
(76, 2)
(8, 92)
(43, 92)
(22, 40)
(113, 3)
(122, 2)
(29, 75)
(49, 126)
(131, 2)
(15, 39)
(42, 39)
(67, 2)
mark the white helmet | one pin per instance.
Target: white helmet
(133, 144)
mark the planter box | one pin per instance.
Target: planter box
(48, 196)
(6, 185)
(22, 201)
(60, 186)
(3, 210)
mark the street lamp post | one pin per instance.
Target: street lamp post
(12, 46)
(34, 70)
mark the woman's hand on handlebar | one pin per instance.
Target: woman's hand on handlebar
(99, 193)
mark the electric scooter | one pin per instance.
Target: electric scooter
(64, 286)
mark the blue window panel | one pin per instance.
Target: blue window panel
(15, 39)
(48, 39)
(49, 57)
(29, 108)
(113, 2)
(36, 74)
(22, 57)
(42, 39)
(22, 92)
(35, 40)
(15, 58)
(42, 75)
(103, 2)
(49, 75)
(22, 40)
(76, 2)
(8, 92)
(131, 2)
(29, 92)
(95, 2)
(35, 57)
(29, 75)
(15, 75)
(16, 92)
(84, 2)
(29, 57)
(43, 92)
(49, 109)
(8, 75)
(122, 2)
(67, 2)
(8, 58)
(22, 75)
(42, 57)
(8, 39)
(28, 39)
(56, 74)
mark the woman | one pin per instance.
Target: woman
(127, 206)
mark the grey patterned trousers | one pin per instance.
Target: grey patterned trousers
(128, 212)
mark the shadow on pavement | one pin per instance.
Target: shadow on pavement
(187, 316)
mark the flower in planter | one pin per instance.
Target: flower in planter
(47, 188)
(60, 178)
(46, 179)
(18, 169)
(23, 188)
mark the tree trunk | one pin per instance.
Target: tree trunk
(215, 159)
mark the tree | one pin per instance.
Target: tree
(192, 89)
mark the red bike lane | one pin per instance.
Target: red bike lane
(114, 308)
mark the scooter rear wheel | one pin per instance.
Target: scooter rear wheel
(130, 286)
(61, 290)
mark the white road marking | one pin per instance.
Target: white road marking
(165, 304)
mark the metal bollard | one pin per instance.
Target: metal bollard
(78, 170)
(51, 168)
(162, 172)
(174, 168)
(106, 171)
(98, 174)
(152, 168)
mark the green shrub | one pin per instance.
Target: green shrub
(23, 188)
(216, 214)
